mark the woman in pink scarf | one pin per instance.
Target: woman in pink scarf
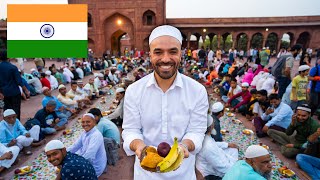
(259, 68)
(248, 77)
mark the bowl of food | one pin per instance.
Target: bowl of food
(236, 121)
(67, 132)
(265, 146)
(285, 171)
(162, 159)
(106, 113)
(23, 170)
(247, 131)
(223, 131)
(230, 114)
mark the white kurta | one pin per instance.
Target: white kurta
(154, 116)
(8, 162)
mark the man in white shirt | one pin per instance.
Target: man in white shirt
(210, 58)
(215, 158)
(53, 81)
(80, 72)
(164, 105)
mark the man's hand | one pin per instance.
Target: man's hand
(269, 111)
(265, 129)
(7, 155)
(293, 119)
(57, 120)
(137, 146)
(73, 111)
(227, 105)
(27, 134)
(27, 93)
(232, 145)
(185, 150)
(289, 145)
(12, 142)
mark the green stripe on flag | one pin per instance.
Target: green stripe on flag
(47, 48)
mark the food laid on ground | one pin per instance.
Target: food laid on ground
(230, 114)
(106, 113)
(247, 131)
(227, 109)
(23, 170)
(216, 90)
(285, 171)
(223, 131)
(265, 146)
(237, 121)
(67, 132)
(163, 159)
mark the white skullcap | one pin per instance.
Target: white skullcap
(254, 151)
(88, 114)
(8, 112)
(61, 86)
(165, 30)
(119, 90)
(33, 69)
(245, 84)
(44, 88)
(303, 68)
(53, 145)
(48, 73)
(209, 120)
(100, 75)
(217, 107)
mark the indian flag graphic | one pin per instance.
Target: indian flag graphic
(47, 30)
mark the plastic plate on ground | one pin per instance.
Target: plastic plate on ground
(106, 113)
(247, 131)
(23, 170)
(223, 131)
(265, 146)
(286, 172)
(230, 114)
(67, 131)
(237, 121)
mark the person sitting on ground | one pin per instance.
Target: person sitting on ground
(72, 166)
(67, 74)
(255, 166)
(50, 123)
(57, 73)
(217, 110)
(44, 81)
(74, 94)
(277, 116)
(240, 106)
(248, 112)
(209, 159)
(13, 133)
(8, 156)
(79, 71)
(268, 83)
(61, 110)
(93, 90)
(53, 81)
(107, 128)
(213, 75)
(310, 160)
(75, 74)
(64, 98)
(262, 103)
(224, 88)
(117, 115)
(233, 90)
(98, 83)
(90, 144)
(304, 126)
(248, 77)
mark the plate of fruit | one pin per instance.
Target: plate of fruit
(67, 132)
(286, 171)
(163, 158)
(23, 170)
(247, 131)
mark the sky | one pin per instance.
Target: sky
(214, 8)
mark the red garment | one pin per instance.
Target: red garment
(45, 83)
(246, 96)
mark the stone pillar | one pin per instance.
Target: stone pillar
(218, 39)
(278, 45)
(234, 41)
(203, 37)
(188, 39)
(248, 42)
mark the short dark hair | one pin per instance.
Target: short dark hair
(43, 75)
(74, 82)
(273, 96)
(95, 112)
(253, 91)
(234, 79)
(263, 92)
(297, 47)
(228, 75)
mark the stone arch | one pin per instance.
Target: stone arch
(257, 40)
(242, 41)
(90, 24)
(149, 18)
(304, 39)
(115, 26)
(272, 41)
(225, 45)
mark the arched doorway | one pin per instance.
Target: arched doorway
(272, 41)
(89, 20)
(227, 41)
(242, 41)
(257, 40)
(304, 39)
(193, 42)
(149, 18)
(118, 31)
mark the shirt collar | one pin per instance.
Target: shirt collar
(90, 132)
(177, 81)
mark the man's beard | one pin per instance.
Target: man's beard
(167, 74)
(266, 175)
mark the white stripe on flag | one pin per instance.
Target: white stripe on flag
(62, 31)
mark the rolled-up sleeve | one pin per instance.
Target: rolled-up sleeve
(198, 122)
(132, 128)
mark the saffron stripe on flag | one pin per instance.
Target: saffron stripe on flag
(47, 12)
(48, 49)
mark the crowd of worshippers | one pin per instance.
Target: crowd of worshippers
(279, 106)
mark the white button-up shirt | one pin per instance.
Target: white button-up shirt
(155, 116)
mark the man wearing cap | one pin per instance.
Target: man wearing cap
(90, 144)
(53, 81)
(277, 116)
(163, 105)
(117, 115)
(99, 84)
(8, 155)
(13, 133)
(44, 81)
(300, 83)
(256, 166)
(93, 90)
(303, 124)
(10, 80)
(49, 120)
(79, 71)
(78, 95)
(215, 158)
(64, 98)
(217, 112)
(71, 166)
(246, 96)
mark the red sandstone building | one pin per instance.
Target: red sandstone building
(110, 20)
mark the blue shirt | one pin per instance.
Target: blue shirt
(43, 116)
(226, 86)
(10, 79)
(280, 117)
(120, 67)
(312, 73)
(74, 166)
(46, 99)
(241, 170)
(9, 132)
(108, 129)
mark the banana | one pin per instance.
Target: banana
(170, 158)
(177, 163)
